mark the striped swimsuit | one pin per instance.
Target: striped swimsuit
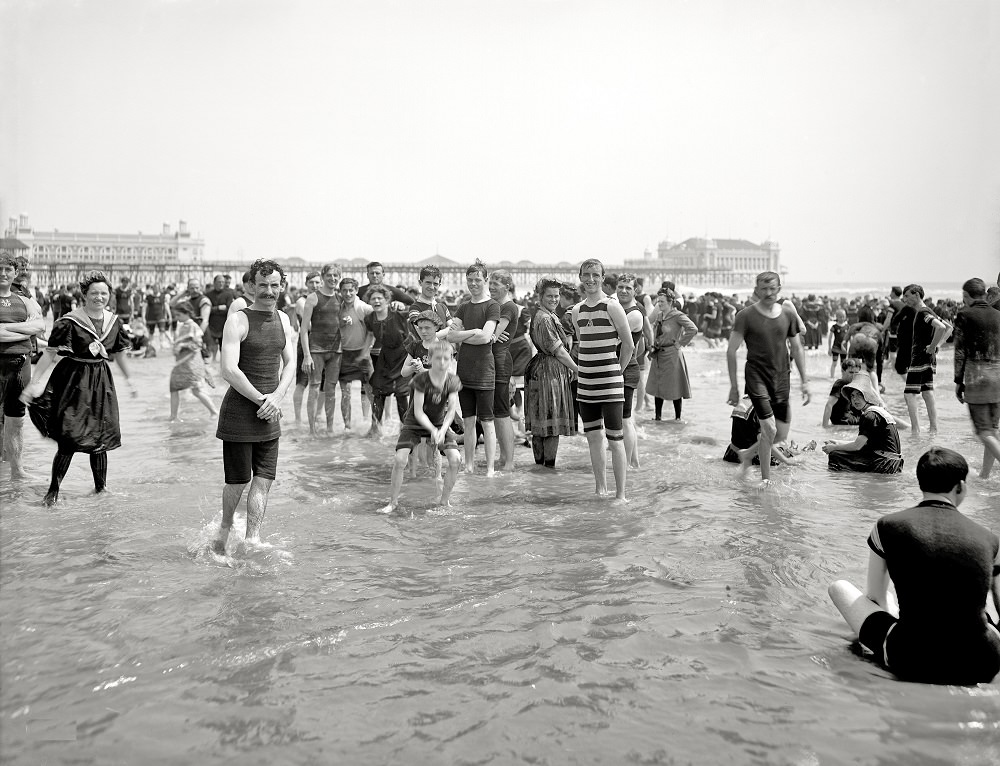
(600, 378)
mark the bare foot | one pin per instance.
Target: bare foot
(388, 508)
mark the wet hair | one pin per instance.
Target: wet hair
(328, 268)
(92, 277)
(896, 291)
(346, 281)
(264, 267)
(940, 470)
(373, 265)
(975, 287)
(546, 283)
(382, 290)
(591, 262)
(768, 276)
(479, 267)
(246, 277)
(915, 288)
(439, 347)
(627, 277)
(569, 291)
(429, 271)
(503, 277)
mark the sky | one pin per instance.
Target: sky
(862, 135)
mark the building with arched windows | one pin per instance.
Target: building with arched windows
(712, 262)
(61, 255)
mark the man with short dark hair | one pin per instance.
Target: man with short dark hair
(319, 337)
(944, 566)
(123, 301)
(977, 367)
(769, 329)
(928, 333)
(220, 298)
(376, 276)
(258, 362)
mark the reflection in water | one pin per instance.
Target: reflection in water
(528, 623)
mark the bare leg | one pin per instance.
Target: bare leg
(768, 432)
(366, 400)
(505, 441)
(931, 410)
(470, 443)
(345, 403)
(311, 402)
(619, 466)
(231, 495)
(631, 443)
(175, 403)
(449, 478)
(991, 453)
(911, 408)
(256, 505)
(854, 605)
(13, 445)
(598, 461)
(297, 402)
(490, 437)
(398, 468)
(202, 397)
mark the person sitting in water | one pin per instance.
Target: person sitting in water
(876, 448)
(944, 566)
(744, 435)
(837, 411)
(431, 411)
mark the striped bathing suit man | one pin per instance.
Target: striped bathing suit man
(601, 385)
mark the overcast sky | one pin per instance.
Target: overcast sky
(862, 135)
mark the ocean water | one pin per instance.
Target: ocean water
(531, 623)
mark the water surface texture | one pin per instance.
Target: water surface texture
(528, 624)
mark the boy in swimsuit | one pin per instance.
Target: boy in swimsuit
(430, 414)
(944, 566)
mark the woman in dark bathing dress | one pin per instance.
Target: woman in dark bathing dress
(79, 406)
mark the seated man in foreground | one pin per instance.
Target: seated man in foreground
(944, 566)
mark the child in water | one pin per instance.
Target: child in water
(189, 371)
(432, 409)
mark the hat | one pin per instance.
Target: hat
(429, 316)
(862, 382)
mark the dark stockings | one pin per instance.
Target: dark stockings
(677, 408)
(658, 407)
(61, 464)
(544, 449)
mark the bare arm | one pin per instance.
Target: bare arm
(206, 309)
(854, 446)
(34, 388)
(617, 314)
(828, 411)
(304, 328)
(33, 325)
(940, 330)
(877, 587)
(735, 341)
(482, 337)
(799, 355)
(233, 334)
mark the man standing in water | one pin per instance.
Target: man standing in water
(321, 350)
(977, 367)
(768, 328)
(20, 318)
(258, 362)
(928, 333)
(605, 346)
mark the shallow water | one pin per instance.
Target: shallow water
(530, 623)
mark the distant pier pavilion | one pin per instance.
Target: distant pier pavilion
(174, 256)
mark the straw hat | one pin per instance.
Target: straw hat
(861, 382)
